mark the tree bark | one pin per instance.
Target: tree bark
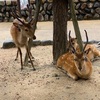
(60, 10)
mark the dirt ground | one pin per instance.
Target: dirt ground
(47, 82)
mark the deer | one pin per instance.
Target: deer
(94, 52)
(76, 64)
(21, 31)
(73, 41)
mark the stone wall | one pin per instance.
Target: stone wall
(85, 10)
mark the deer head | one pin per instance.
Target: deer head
(24, 27)
(80, 57)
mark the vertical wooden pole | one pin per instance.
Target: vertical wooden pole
(38, 4)
(75, 24)
(19, 8)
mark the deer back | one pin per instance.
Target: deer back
(94, 52)
(77, 64)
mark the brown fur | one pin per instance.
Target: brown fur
(77, 65)
(20, 34)
(94, 52)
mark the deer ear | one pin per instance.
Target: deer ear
(73, 50)
(87, 51)
(17, 24)
(70, 37)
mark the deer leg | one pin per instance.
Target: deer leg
(17, 54)
(31, 55)
(28, 53)
(19, 50)
(73, 76)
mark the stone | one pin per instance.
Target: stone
(48, 42)
(6, 19)
(45, 6)
(92, 11)
(48, 12)
(7, 14)
(43, 12)
(34, 6)
(36, 43)
(8, 2)
(43, 1)
(3, 9)
(82, 12)
(1, 19)
(96, 16)
(41, 8)
(7, 8)
(51, 18)
(76, 1)
(87, 10)
(2, 3)
(76, 12)
(13, 3)
(88, 16)
(97, 4)
(92, 0)
(97, 10)
(78, 6)
(8, 44)
(49, 6)
(11, 19)
(83, 0)
(0, 14)
(79, 17)
(83, 6)
(40, 17)
(50, 0)
(46, 17)
(90, 5)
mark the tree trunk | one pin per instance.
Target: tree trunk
(60, 9)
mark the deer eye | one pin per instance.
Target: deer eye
(26, 30)
(85, 59)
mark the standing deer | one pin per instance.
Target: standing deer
(77, 64)
(94, 52)
(21, 31)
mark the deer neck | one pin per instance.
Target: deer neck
(82, 70)
(22, 39)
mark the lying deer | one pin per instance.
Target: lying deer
(77, 64)
(21, 31)
(94, 52)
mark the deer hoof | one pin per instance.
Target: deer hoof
(21, 68)
(34, 69)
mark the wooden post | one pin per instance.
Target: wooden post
(19, 9)
(38, 4)
(75, 24)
